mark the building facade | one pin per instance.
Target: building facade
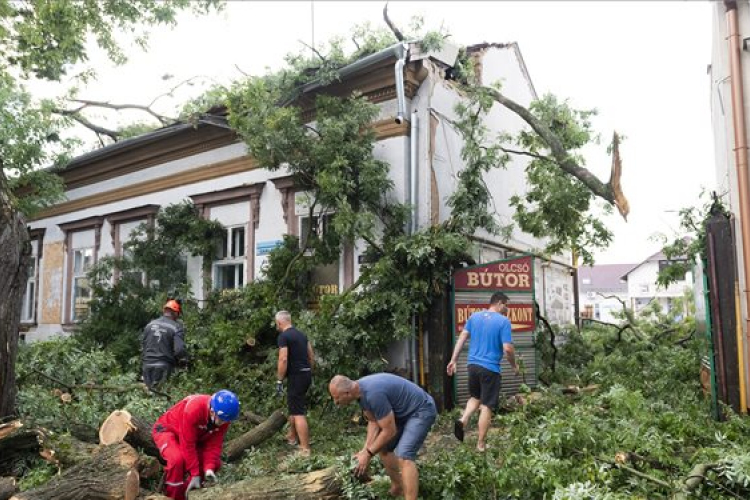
(112, 190)
(602, 291)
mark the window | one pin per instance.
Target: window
(229, 266)
(319, 227)
(83, 260)
(644, 288)
(325, 278)
(132, 275)
(28, 313)
(663, 264)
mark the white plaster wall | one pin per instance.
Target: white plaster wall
(503, 183)
(646, 274)
(271, 221)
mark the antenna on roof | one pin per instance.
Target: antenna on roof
(312, 29)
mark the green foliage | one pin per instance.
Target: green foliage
(28, 140)
(684, 248)
(38, 473)
(135, 129)
(75, 364)
(120, 308)
(556, 205)
(333, 160)
(470, 202)
(44, 38)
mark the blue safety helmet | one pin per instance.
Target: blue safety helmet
(225, 405)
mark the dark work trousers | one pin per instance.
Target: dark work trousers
(154, 375)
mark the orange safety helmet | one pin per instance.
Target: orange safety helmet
(173, 305)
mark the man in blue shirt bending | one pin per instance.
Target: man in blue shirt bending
(399, 415)
(490, 335)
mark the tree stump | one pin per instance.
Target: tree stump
(121, 426)
(103, 477)
(7, 487)
(317, 485)
(255, 436)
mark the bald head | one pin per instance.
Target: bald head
(283, 320)
(343, 390)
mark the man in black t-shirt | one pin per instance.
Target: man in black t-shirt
(295, 363)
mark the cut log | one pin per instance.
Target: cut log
(236, 447)
(7, 487)
(317, 485)
(253, 418)
(121, 426)
(103, 477)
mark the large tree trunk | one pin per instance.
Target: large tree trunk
(110, 474)
(18, 443)
(15, 251)
(236, 447)
(121, 426)
(321, 484)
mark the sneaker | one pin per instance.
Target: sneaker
(458, 430)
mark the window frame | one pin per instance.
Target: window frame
(239, 262)
(32, 299)
(70, 229)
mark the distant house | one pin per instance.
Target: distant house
(642, 288)
(601, 290)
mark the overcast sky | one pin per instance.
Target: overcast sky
(641, 64)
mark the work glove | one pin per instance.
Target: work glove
(279, 388)
(210, 475)
(195, 483)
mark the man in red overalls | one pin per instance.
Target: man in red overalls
(190, 436)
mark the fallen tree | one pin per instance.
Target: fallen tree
(317, 485)
(236, 447)
(18, 442)
(111, 473)
(121, 426)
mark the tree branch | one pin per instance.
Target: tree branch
(526, 153)
(97, 129)
(317, 53)
(547, 327)
(627, 312)
(119, 107)
(396, 32)
(610, 191)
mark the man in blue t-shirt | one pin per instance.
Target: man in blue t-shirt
(490, 334)
(399, 415)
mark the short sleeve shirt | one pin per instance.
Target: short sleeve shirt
(296, 343)
(489, 330)
(384, 393)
